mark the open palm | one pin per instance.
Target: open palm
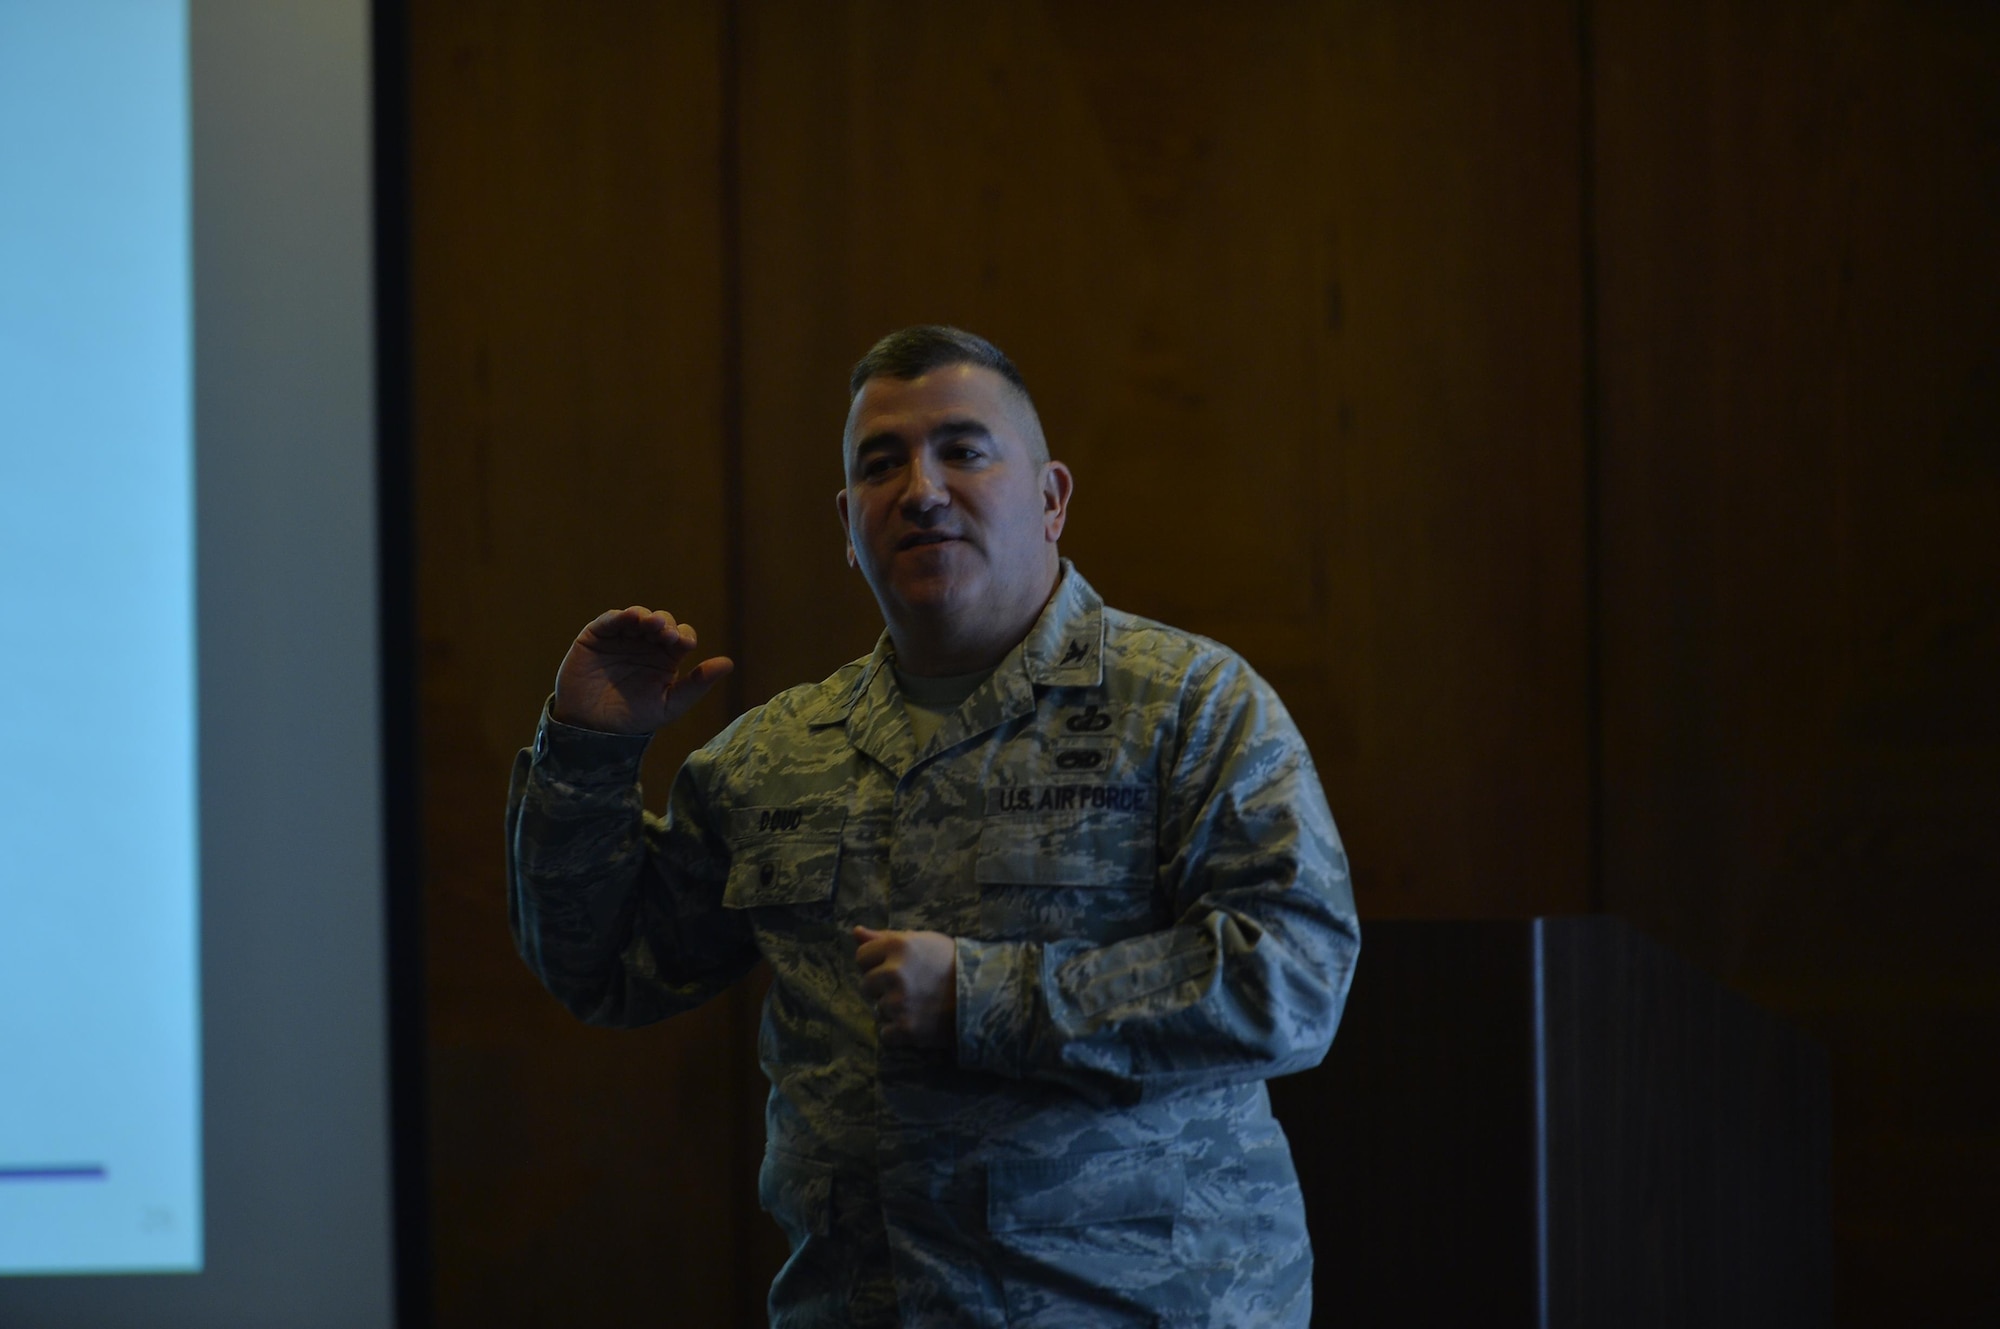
(623, 673)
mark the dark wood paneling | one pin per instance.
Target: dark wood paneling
(1559, 1123)
(1299, 288)
(568, 313)
(1296, 286)
(1415, 1139)
(1800, 351)
(1687, 1157)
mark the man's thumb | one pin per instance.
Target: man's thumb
(692, 686)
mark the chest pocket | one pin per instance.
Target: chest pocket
(1081, 836)
(782, 856)
(1066, 860)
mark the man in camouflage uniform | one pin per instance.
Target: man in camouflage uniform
(1048, 891)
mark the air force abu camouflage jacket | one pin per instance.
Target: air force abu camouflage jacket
(1125, 835)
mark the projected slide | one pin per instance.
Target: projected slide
(100, 1119)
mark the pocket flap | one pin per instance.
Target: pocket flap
(1083, 1189)
(1065, 850)
(777, 872)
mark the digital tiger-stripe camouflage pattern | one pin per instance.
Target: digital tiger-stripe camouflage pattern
(1124, 834)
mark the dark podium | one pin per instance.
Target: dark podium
(1559, 1123)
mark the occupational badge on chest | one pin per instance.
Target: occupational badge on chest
(1089, 720)
(1087, 753)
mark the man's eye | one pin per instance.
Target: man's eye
(873, 467)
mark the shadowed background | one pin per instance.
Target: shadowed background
(1586, 414)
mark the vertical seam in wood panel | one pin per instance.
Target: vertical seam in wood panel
(747, 1144)
(729, 259)
(402, 712)
(1593, 525)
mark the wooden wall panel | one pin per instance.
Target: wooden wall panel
(1801, 485)
(1297, 288)
(568, 340)
(1301, 291)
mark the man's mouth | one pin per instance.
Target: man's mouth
(921, 538)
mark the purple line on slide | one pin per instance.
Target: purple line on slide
(53, 1172)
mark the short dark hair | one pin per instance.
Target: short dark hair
(913, 352)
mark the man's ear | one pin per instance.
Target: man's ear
(1057, 483)
(840, 506)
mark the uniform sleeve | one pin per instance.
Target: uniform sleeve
(618, 912)
(1250, 980)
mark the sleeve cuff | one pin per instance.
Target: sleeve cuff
(999, 1005)
(576, 756)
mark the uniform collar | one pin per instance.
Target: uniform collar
(1065, 648)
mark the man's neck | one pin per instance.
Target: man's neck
(940, 648)
(935, 650)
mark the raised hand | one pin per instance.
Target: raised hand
(912, 980)
(622, 674)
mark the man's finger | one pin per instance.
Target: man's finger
(636, 623)
(872, 948)
(691, 687)
(707, 674)
(676, 639)
(628, 622)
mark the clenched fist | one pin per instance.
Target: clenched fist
(912, 979)
(622, 674)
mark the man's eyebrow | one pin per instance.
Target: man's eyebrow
(957, 428)
(945, 432)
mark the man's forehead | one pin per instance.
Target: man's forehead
(905, 405)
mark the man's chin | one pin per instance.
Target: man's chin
(929, 593)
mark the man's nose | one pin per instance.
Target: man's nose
(925, 489)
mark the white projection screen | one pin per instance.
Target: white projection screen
(197, 1124)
